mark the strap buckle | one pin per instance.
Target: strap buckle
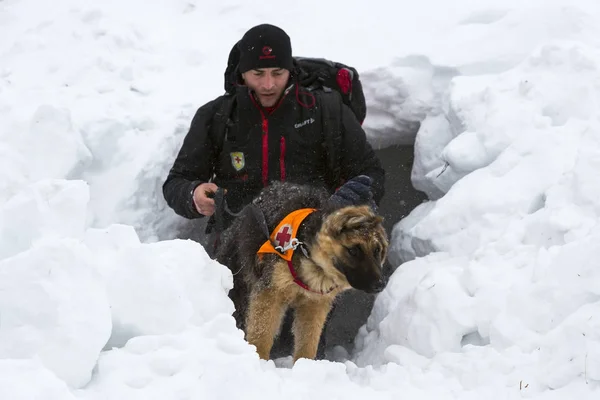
(291, 245)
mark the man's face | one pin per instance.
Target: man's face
(267, 83)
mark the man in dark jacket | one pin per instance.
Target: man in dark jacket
(276, 132)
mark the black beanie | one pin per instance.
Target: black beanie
(265, 46)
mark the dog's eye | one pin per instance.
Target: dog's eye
(355, 250)
(376, 252)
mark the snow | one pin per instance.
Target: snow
(54, 307)
(153, 288)
(497, 294)
(16, 377)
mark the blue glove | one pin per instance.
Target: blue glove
(354, 192)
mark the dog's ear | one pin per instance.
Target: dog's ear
(352, 218)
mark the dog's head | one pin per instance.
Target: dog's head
(352, 246)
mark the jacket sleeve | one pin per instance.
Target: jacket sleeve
(357, 155)
(193, 165)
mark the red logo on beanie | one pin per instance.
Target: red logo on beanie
(266, 50)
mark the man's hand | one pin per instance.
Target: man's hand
(355, 192)
(204, 198)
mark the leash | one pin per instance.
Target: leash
(222, 210)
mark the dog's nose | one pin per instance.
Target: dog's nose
(378, 286)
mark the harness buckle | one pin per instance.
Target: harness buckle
(291, 245)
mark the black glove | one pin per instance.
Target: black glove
(356, 191)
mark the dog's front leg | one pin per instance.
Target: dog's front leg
(265, 313)
(308, 324)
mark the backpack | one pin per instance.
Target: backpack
(320, 73)
(314, 74)
(319, 76)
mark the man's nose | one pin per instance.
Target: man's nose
(268, 82)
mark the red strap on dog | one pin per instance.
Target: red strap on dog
(296, 278)
(299, 282)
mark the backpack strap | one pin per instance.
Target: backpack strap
(221, 122)
(331, 104)
(218, 131)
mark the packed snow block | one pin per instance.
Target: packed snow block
(146, 297)
(424, 307)
(29, 379)
(13, 171)
(126, 175)
(54, 306)
(52, 145)
(109, 241)
(101, 136)
(572, 351)
(157, 288)
(196, 362)
(205, 282)
(214, 361)
(404, 246)
(487, 114)
(523, 137)
(562, 284)
(433, 136)
(48, 208)
(393, 115)
(400, 96)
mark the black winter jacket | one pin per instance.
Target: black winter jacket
(286, 143)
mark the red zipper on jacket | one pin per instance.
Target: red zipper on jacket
(265, 142)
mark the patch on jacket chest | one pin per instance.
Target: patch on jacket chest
(237, 160)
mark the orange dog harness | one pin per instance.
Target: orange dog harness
(283, 239)
(283, 242)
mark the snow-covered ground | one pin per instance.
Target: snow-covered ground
(498, 294)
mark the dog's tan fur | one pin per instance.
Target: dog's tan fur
(268, 304)
(346, 248)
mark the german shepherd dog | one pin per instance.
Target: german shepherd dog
(340, 248)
